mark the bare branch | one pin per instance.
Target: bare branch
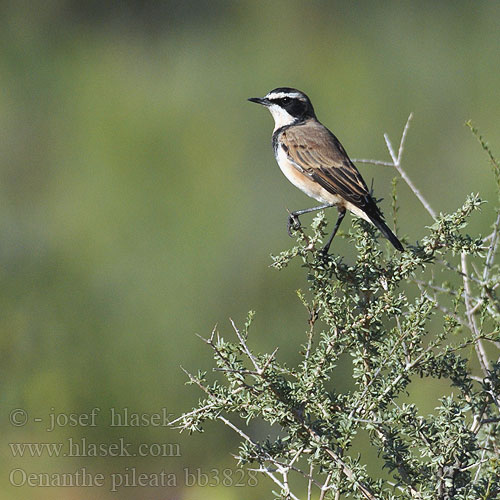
(491, 249)
(373, 162)
(480, 351)
(261, 469)
(310, 481)
(403, 138)
(326, 487)
(397, 164)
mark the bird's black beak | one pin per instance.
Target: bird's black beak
(259, 100)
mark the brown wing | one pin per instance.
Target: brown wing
(315, 151)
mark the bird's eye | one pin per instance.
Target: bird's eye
(285, 100)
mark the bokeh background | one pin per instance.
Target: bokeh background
(140, 200)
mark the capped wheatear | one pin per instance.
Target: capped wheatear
(314, 160)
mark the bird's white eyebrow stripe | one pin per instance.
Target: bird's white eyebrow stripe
(280, 95)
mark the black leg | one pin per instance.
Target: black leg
(293, 218)
(335, 229)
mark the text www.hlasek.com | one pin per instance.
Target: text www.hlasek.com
(84, 448)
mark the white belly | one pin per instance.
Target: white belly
(312, 188)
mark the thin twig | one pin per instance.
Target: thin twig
(395, 381)
(396, 163)
(403, 138)
(454, 293)
(245, 347)
(262, 469)
(348, 472)
(309, 481)
(378, 371)
(268, 362)
(373, 162)
(191, 413)
(313, 316)
(491, 250)
(276, 480)
(480, 463)
(325, 488)
(480, 351)
(459, 271)
(402, 173)
(490, 420)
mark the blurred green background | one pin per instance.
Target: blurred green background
(140, 200)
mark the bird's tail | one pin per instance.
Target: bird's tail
(381, 225)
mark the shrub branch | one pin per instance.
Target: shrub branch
(401, 328)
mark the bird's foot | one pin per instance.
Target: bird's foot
(293, 224)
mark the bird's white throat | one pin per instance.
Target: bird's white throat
(281, 116)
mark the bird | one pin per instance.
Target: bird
(314, 160)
